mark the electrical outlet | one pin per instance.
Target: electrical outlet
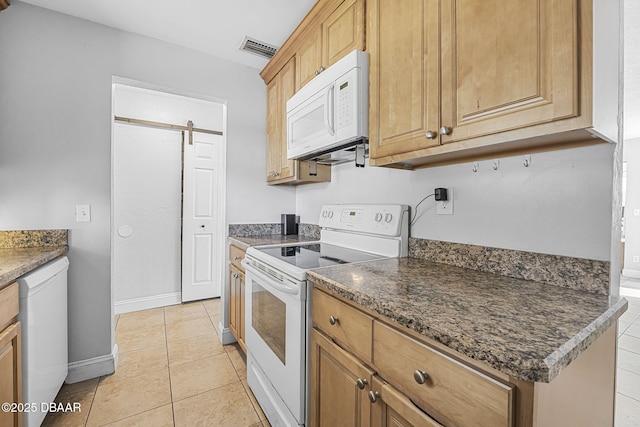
(636, 258)
(83, 213)
(445, 207)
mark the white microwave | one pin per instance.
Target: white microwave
(331, 112)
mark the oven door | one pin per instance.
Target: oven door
(275, 338)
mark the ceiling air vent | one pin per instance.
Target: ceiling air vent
(258, 48)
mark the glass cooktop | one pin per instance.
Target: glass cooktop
(316, 255)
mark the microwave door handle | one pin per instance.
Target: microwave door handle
(328, 111)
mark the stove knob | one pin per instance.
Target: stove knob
(324, 214)
(378, 217)
(388, 217)
(330, 214)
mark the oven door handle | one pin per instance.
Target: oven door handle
(269, 282)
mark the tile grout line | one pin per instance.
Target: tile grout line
(166, 343)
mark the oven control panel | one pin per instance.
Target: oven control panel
(387, 220)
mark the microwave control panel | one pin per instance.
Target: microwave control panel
(345, 102)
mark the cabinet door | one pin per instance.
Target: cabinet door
(393, 409)
(279, 90)
(507, 65)
(309, 58)
(274, 129)
(235, 306)
(343, 31)
(287, 78)
(336, 398)
(241, 326)
(10, 374)
(404, 64)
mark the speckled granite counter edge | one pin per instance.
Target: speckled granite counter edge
(534, 370)
(33, 262)
(33, 238)
(567, 272)
(239, 243)
(570, 351)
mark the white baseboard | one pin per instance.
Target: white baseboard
(145, 303)
(634, 274)
(226, 337)
(92, 368)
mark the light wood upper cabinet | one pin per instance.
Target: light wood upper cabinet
(309, 58)
(454, 80)
(404, 66)
(323, 45)
(279, 90)
(343, 31)
(507, 65)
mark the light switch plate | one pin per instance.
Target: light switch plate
(83, 213)
(445, 207)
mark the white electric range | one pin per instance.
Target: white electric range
(278, 302)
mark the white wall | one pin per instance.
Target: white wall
(55, 105)
(560, 205)
(632, 222)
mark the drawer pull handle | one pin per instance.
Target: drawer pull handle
(235, 258)
(373, 396)
(333, 320)
(361, 383)
(420, 376)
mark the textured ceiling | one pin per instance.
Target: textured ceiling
(216, 27)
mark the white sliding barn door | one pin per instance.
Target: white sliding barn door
(201, 215)
(146, 217)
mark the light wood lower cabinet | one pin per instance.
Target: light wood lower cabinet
(236, 295)
(339, 386)
(10, 355)
(415, 384)
(390, 408)
(406, 379)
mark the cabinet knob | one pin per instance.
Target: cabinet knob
(420, 376)
(333, 320)
(316, 72)
(431, 134)
(373, 396)
(444, 130)
(275, 174)
(235, 258)
(321, 68)
(361, 383)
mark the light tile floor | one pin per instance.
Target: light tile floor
(628, 380)
(172, 371)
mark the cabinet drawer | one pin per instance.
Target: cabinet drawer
(9, 305)
(453, 393)
(236, 255)
(350, 327)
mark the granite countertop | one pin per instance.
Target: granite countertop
(525, 329)
(15, 262)
(268, 239)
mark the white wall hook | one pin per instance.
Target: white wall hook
(496, 165)
(527, 161)
(475, 167)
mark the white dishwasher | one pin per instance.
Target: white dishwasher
(43, 314)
